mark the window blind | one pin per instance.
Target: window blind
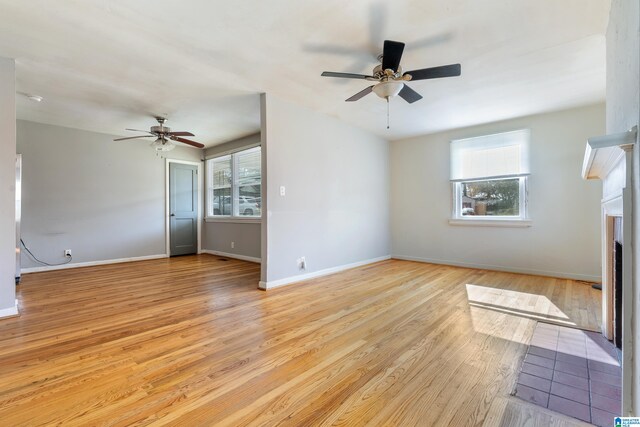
(500, 155)
(221, 172)
(249, 167)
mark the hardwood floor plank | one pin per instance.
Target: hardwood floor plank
(191, 341)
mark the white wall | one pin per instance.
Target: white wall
(82, 191)
(564, 239)
(336, 208)
(7, 186)
(623, 112)
(218, 235)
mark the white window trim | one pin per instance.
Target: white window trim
(513, 223)
(234, 185)
(522, 220)
(234, 218)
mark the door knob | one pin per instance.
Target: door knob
(173, 214)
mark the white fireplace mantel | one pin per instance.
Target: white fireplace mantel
(604, 152)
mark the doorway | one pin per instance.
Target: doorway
(183, 207)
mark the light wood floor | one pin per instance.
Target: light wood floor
(190, 341)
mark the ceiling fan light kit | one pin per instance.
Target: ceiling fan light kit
(388, 88)
(391, 78)
(161, 144)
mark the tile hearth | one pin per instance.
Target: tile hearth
(573, 372)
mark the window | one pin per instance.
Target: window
(489, 176)
(219, 185)
(234, 185)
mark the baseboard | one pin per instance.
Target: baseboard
(556, 274)
(10, 311)
(302, 277)
(90, 263)
(230, 255)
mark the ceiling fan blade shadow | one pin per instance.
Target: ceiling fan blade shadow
(430, 41)
(452, 70)
(345, 75)
(181, 133)
(378, 13)
(360, 94)
(187, 141)
(334, 49)
(134, 137)
(392, 54)
(409, 95)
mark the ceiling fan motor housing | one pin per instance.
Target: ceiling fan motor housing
(160, 129)
(379, 73)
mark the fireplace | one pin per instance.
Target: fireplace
(617, 282)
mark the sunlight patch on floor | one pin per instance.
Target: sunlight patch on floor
(483, 300)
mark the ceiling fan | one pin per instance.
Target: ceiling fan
(391, 78)
(164, 137)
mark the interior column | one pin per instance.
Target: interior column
(7, 186)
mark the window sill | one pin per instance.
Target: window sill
(233, 219)
(514, 223)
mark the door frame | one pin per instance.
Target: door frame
(167, 232)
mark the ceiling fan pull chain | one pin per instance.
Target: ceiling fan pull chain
(388, 112)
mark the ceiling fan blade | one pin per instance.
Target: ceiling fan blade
(138, 130)
(435, 72)
(134, 137)
(187, 141)
(360, 94)
(181, 134)
(392, 54)
(409, 95)
(345, 75)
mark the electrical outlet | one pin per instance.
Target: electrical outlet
(233, 245)
(283, 190)
(67, 252)
(302, 263)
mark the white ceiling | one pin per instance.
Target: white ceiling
(106, 65)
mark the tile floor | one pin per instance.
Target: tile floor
(572, 371)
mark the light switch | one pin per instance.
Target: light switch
(282, 190)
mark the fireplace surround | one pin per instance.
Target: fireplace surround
(610, 159)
